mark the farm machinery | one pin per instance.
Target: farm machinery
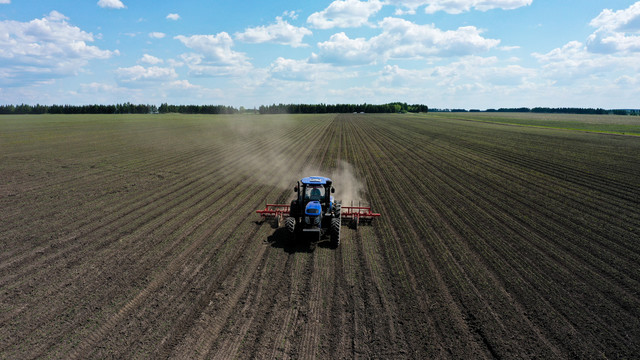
(315, 213)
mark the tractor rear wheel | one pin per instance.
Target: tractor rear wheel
(335, 232)
(290, 224)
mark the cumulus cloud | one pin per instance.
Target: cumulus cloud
(457, 6)
(44, 49)
(280, 33)
(139, 73)
(214, 55)
(617, 31)
(621, 20)
(302, 70)
(574, 62)
(345, 14)
(173, 17)
(157, 35)
(341, 49)
(150, 59)
(402, 39)
(111, 4)
(468, 71)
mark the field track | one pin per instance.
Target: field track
(136, 237)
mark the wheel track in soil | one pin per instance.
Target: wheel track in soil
(376, 298)
(418, 284)
(454, 255)
(156, 283)
(221, 317)
(558, 263)
(486, 207)
(299, 280)
(237, 292)
(466, 279)
(616, 188)
(548, 184)
(78, 180)
(76, 277)
(255, 305)
(294, 281)
(436, 326)
(84, 349)
(143, 198)
(301, 294)
(493, 203)
(140, 206)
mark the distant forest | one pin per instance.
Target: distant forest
(341, 108)
(128, 108)
(546, 110)
(395, 107)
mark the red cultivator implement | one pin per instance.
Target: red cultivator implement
(356, 214)
(275, 211)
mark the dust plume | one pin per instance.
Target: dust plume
(348, 187)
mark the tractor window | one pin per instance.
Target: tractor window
(314, 193)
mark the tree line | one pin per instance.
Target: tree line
(395, 107)
(196, 109)
(126, 108)
(341, 108)
(547, 110)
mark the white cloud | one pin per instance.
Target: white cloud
(341, 49)
(457, 6)
(140, 73)
(5, 1)
(112, 4)
(173, 17)
(302, 70)
(574, 63)
(617, 31)
(157, 35)
(402, 39)
(345, 14)
(44, 49)
(97, 88)
(621, 20)
(290, 14)
(469, 71)
(182, 84)
(149, 59)
(280, 33)
(214, 55)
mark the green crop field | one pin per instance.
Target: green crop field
(622, 125)
(136, 237)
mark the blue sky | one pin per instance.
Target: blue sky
(443, 53)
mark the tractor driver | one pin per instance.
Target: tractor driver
(316, 194)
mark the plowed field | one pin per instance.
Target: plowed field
(136, 237)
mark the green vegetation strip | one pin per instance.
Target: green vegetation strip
(588, 126)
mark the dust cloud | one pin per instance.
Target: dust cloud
(349, 188)
(273, 159)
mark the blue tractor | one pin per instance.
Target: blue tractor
(314, 213)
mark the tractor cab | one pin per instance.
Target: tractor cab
(315, 190)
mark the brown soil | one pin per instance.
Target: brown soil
(133, 237)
